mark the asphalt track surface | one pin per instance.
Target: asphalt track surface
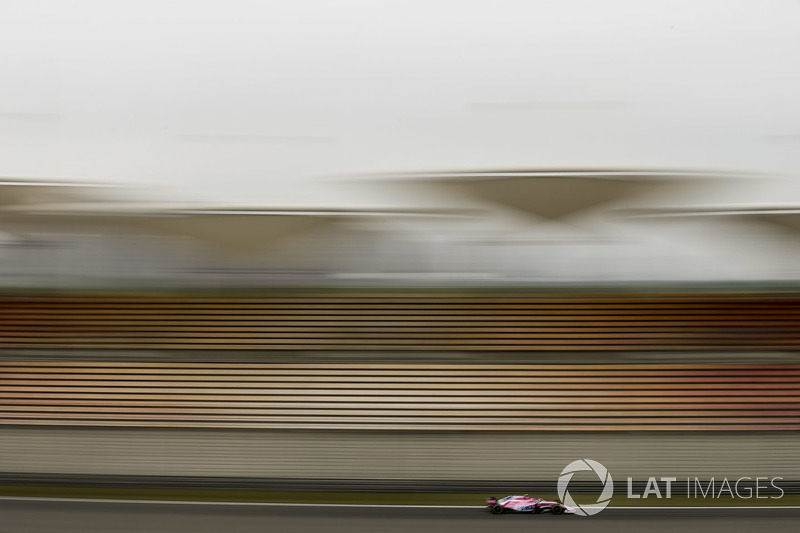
(97, 517)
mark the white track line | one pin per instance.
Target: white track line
(354, 505)
(266, 504)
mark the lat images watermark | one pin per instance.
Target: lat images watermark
(744, 488)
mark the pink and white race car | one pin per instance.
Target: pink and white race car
(526, 504)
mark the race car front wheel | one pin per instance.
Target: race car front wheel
(557, 509)
(497, 509)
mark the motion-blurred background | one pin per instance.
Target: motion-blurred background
(417, 247)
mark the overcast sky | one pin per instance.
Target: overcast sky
(258, 101)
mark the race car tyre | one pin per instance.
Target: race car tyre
(497, 509)
(557, 509)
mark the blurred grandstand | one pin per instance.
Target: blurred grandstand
(470, 228)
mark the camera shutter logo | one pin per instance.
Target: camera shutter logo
(582, 465)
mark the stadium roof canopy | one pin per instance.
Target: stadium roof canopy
(18, 191)
(61, 205)
(559, 194)
(786, 216)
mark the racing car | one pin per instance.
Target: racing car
(526, 504)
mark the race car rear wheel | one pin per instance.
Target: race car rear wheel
(557, 509)
(497, 508)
